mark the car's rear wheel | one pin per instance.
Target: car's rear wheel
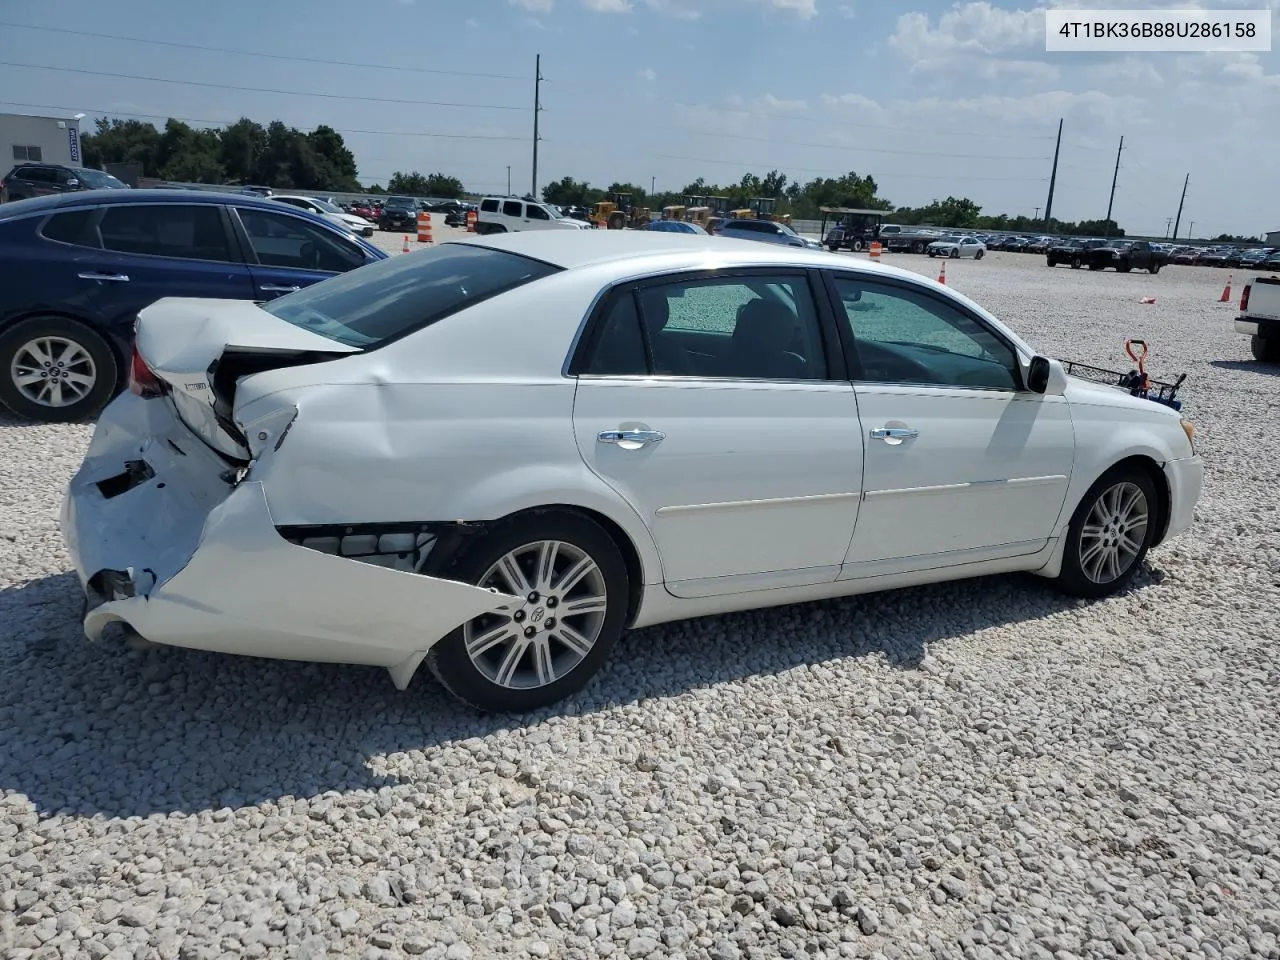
(1075, 263)
(55, 370)
(978, 254)
(918, 247)
(1265, 350)
(574, 588)
(1154, 268)
(1109, 534)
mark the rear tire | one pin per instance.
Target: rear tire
(979, 255)
(918, 247)
(1109, 534)
(88, 381)
(1154, 268)
(533, 681)
(1075, 263)
(1266, 351)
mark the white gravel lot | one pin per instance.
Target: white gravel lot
(976, 770)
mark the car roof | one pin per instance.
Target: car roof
(81, 198)
(573, 249)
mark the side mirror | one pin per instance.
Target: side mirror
(1047, 377)
(73, 182)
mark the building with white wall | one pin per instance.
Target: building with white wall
(28, 139)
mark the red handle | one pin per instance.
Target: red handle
(1139, 357)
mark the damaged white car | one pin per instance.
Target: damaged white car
(497, 454)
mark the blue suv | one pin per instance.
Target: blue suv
(79, 267)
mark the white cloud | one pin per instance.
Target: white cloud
(695, 9)
(608, 6)
(534, 6)
(472, 24)
(648, 74)
(972, 28)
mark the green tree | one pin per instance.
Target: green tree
(122, 141)
(240, 147)
(445, 187)
(569, 192)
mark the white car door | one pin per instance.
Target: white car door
(962, 463)
(968, 247)
(513, 216)
(708, 404)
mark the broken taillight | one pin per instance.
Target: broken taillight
(142, 379)
(1244, 297)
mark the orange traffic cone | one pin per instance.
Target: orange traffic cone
(1226, 291)
(424, 228)
(942, 274)
(405, 248)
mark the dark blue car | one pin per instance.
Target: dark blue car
(78, 267)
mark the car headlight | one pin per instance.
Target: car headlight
(1189, 429)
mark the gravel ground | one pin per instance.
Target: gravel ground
(976, 770)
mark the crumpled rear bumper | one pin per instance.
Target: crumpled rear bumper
(188, 559)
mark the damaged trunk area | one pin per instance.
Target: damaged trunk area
(236, 363)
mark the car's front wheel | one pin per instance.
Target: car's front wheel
(55, 370)
(1109, 534)
(573, 588)
(1154, 268)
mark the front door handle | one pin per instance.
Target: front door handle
(113, 277)
(894, 435)
(640, 437)
(276, 288)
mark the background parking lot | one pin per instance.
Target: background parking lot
(975, 769)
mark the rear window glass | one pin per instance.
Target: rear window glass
(489, 206)
(391, 298)
(69, 227)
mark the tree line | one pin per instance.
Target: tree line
(283, 157)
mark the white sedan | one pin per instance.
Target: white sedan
(955, 246)
(329, 211)
(497, 454)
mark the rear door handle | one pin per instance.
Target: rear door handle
(113, 277)
(894, 434)
(276, 288)
(640, 437)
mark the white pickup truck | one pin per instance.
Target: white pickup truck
(1259, 317)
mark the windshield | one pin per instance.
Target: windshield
(326, 206)
(99, 180)
(783, 228)
(386, 300)
(406, 202)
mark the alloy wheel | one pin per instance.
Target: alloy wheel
(53, 371)
(1114, 532)
(552, 630)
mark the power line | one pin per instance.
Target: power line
(838, 146)
(863, 126)
(268, 56)
(787, 166)
(227, 86)
(227, 123)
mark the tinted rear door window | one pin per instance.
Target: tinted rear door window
(513, 208)
(70, 227)
(187, 231)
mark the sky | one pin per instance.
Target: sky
(930, 99)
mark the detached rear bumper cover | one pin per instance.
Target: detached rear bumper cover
(1186, 479)
(207, 569)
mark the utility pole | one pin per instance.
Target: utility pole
(1168, 222)
(537, 109)
(1180, 203)
(508, 179)
(1037, 215)
(1053, 179)
(1191, 229)
(1115, 176)
(653, 182)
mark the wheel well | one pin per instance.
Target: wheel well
(630, 556)
(1161, 484)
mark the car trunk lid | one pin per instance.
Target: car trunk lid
(201, 349)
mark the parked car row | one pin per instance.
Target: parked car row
(1263, 258)
(81, 265)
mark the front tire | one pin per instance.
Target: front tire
(1109, 534)
(1154, 268)
(955, 254)
(576, 591)
(1075, 263)
(55, 370)
(1265, 350)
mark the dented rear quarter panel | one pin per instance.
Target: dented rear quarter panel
(468, 419)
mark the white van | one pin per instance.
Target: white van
(505, 215)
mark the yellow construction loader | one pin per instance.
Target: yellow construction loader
(673, 212)
(617, 213)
